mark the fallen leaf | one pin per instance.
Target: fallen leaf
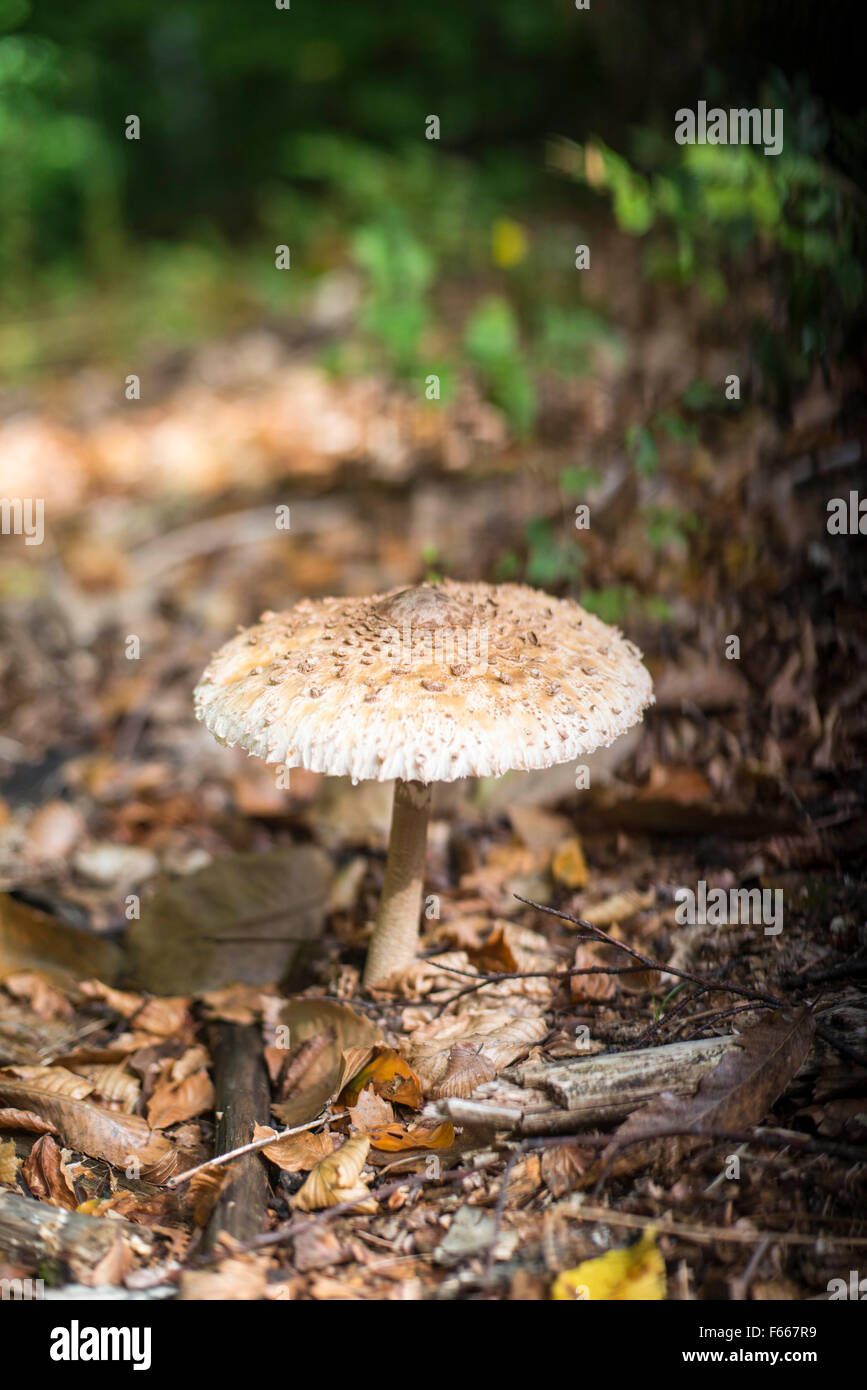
(337, 1179)
(391, 1077)
(396, 1138)
(204, 1189)
(174, 1101)
(466, 1070)
(46, 1175)
(296, 1153)
(33, 941)
(112, 1082)
(569, 865)
(635, 1273)
(736, 1095)
(496, 1034)
(124, 1140)
(25, 1120)
(8, 1163)
(591, 987)
(619, 907)
(57, 1080)
(241, 1281)
(370, 1111)
(326, 1072)
(238, 919)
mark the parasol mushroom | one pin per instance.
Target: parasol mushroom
(422, 685)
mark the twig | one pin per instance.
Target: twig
(250, 1148)
(290, 1229)
(650, 964)
(774, 1137)
(702, 1234)
(494, 977)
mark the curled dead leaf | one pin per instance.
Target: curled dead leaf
(397, 1138)
(295, 1153)
(466, 1070)
(46, 1175)
(337, 1178)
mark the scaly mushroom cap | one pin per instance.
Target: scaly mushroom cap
(426, 684)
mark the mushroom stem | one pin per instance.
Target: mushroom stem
(395, 937)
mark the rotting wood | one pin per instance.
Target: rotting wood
(242, 1101)
(593, 1091)
(37, 1235)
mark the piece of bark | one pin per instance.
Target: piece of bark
(242, 1102)
(594, 1091)
(34, 1234)
(620, 1078)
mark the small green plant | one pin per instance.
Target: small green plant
(492, 344)
(705, 210)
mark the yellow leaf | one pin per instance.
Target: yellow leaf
(337, 1179)
(508, 242)
(394, 1138)
(569, 865)
(635, 1273)
(390, 1076)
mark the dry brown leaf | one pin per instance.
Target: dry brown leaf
(297, 1153)
(337, 1179)
(370, 1111)
(619, 907)
(326, 1073)
(121, 1001)
(164, 1017)
(125, 1140)
(466, 1070)
(175, 1101)
(112, 1083)
(569, 865)
(240, 1281)
(33, 941)
(190, 1061)
(591, 987)
(236, 1003)
(498, 1035)
(46, 1175)
(736, 1095)
(204, 1189)
(43, 998)
(57, 1080)
(25, 1120)
(8, 1163)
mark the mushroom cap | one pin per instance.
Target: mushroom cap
(426, 684)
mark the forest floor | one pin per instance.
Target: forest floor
(143, 1021)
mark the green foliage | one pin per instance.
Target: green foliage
(577, 482)
(711, 206)
(568, 339)
(618, 602)
(492, 344)
(551, 560)
(669, 525)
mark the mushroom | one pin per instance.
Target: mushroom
(422, 685)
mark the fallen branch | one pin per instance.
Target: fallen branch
(92, 1249)
(242, 1101)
